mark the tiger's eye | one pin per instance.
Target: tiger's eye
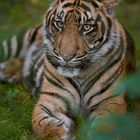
(87, 27)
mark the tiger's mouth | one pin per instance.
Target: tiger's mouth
(68, 71)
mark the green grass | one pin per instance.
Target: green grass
(16, 103)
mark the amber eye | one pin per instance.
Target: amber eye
(87, 27)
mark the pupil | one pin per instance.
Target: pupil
(87, 27)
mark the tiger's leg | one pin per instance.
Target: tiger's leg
(11, 70)
(113, 106)
(50, 118)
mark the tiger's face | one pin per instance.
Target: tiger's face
(76, 33)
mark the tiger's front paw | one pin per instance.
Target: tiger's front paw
(11, 71)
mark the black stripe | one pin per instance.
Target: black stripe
(56, 95)
(69, 112)
(103, 30)
(53, 82)
(60, 123)
(62, 0)
(93, 78)
(20, 38)
(94, 4)
(53, 76)
(94, 107)
(44, 108)
(85, 7)
(67, 15)
(49, 19)
(68, 5)
(109, 82)
(33, 35)
(59, 84)
(77, 2)
(48, 111)
(109, 22)
(108, 32)
(75, 85)
(38, 67)
(39, 123)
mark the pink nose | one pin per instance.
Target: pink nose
(67, 56)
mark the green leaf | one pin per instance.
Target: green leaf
(131, 86)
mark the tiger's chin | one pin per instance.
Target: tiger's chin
(68, 71)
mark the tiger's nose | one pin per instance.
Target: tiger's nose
(61, 55)
(67, 57)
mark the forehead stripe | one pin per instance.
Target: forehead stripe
(85, 7)
(67, 5)
(49, 16)
(93, 3)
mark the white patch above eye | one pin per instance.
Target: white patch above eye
(68, 72)
(89, 14)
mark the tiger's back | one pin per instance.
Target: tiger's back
(21, 59)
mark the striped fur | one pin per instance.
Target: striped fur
(86, 55)
(22, 59)
(16, 45)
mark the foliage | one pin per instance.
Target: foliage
(130, 85)
(132, 1)
(16, 110)
(125, 127)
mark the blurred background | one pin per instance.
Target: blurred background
(16, 104)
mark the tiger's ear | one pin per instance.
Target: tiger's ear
(109, 3)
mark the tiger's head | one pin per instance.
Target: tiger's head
(78, 33)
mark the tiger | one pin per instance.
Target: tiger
(87, 53)
(21, 59)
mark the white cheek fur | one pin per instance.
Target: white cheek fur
(68, 72)
(113, 40)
